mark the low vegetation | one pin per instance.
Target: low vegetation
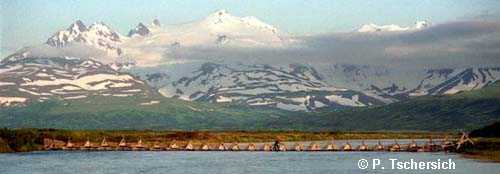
(4, 146)
(21, 140)
(485, 149)
(487, 144)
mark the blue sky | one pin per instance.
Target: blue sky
(29, 22)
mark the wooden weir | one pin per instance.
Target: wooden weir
(412, 146)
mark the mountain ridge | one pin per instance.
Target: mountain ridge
(38, 79)
(154, 53)
(463, 111)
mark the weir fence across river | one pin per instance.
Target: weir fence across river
(313, 146)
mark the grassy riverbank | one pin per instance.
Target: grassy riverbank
(487, 146)
(4, 146)
(20, 140)
(484, 149)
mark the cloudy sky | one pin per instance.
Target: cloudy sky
(29, 22)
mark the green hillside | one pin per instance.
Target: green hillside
(468, 110)
(128, 113)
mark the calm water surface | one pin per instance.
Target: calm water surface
(222, 162)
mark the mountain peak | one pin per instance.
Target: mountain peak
(221, 12)
(156, 23)
(77, 27)
(141, 25)
(220, 16)
(140, 30)
(99, 26)
(98, 34)
(73, 32)
(223, 19)
(100, 31)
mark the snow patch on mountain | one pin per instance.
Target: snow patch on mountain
(452, 81)
(372, 28)
(8, 101)
(296, 87)
(39, 79)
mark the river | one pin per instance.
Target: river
(124, 162)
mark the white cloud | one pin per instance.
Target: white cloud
(455, 44)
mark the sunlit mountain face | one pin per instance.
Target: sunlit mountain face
(223, 58)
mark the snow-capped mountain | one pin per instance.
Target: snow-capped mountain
(219, 30)
(310, 87)
(98, 35)
(66, 78)
(151, 45)
(149, 51)
(452, 81)
(401, 83)
(296, 87)
(236, 31)
(371, 28)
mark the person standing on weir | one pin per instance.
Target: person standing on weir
(276, 146)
